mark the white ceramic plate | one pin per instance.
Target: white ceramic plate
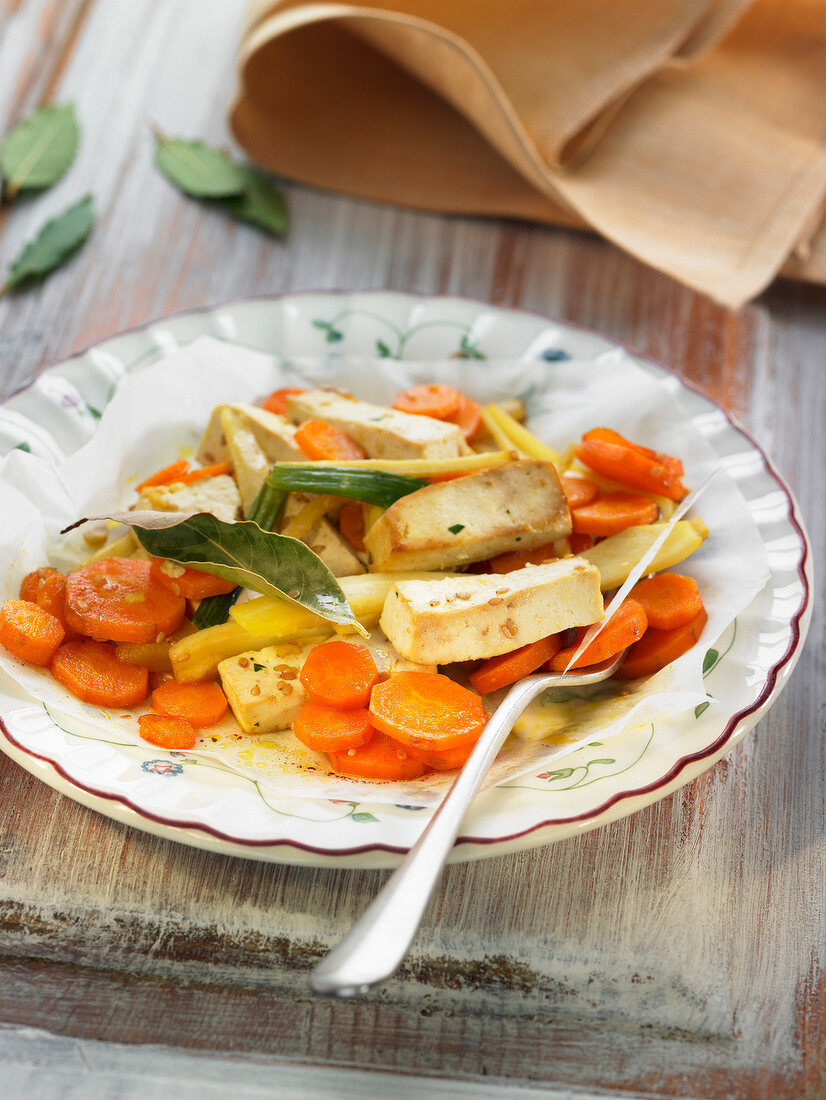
(189, 800)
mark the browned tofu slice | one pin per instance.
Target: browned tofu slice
(514, 507)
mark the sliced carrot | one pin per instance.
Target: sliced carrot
(200, 704)
(47, 588)
(92, 673)
(578, 543)
(322, 442)
(351, 524)
(30, 585)
(117, 600)
(467, 418)
(277, 400)
(216, 470)
(167, 732)
(427, 710)
(578, 490)
(670, 600)
(192, 584)
(507, 668)
(610, 436)
(626, 626)
(660, 647)
(429, 399)
(174, 472)
(380, 758)
(611, 513)
(444, 761)
(326, 729)
(339, 674)
(630, 467)
(515, 559)
(29, 632)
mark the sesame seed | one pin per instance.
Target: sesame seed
(463, 595)
(501, 591)
(434, 603)
(508, 628)
(255, 690)
(494, 600)
(243, 662)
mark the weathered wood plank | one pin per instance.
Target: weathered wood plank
(679, 952)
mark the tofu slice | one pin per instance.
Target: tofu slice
(514, 507)
(323, 539)
(218, 495)
(442, 621)
(381, 431)
(263, 688)
(249, 463)
(273, 434)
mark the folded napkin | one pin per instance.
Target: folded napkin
(692, 133)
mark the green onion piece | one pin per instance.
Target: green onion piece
(214, 610)
(371, 486)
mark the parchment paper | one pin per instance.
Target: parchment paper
(158, 414)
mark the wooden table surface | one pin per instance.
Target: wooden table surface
(675, 953)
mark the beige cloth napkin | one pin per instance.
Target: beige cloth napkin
(692, 133)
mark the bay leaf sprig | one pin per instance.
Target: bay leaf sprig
(39, 149)
(56, 241)
(274, 565)
(203, 172)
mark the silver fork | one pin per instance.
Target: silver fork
(376, 944)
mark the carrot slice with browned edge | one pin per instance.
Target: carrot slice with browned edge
(380, 758)
(277, 400)
(515, 559)
(200, 704)
(578, 490)
(30, 585)
(444, 761)
(608, 435)
(326, 729)
(339, 674)
(429, 399)
(167, 732)
(670, 600)
(173, 472)
(660, 647)
(626, 626)
(47, 588)
(324, 443)
(216, 470)
(117, 600)
(507, 668)
(467, 418)
(630, 467)
(29, 632)
(611, 513)
(427, 710)
(92, 673)
(192, 584)
(351, 524)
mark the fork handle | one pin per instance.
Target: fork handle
(376, 944)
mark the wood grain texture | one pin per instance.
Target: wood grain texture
(675, 953)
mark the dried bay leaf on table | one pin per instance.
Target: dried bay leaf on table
(197, 169)
(260, 203)
(53, 245)
(39, 149)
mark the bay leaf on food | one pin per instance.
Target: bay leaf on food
(39, 149)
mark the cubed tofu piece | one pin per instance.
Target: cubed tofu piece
(218, 495)
(443, 621)
(274, 435)
(323, 539)
(381, 431)
(264, 690)
(514, 507)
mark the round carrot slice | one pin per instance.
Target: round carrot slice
(626, 626)
(277, 400)
(324, 443)
(447, 761)
(92, 673)
(192, 584)
(380, 758)
(47, 588)
(670, 600)
(659, 648)
(29, 632)
(467, 418)
(611, 513)
(339, 674)
(429, 399)
(578, 490)
(167, 732)
(351, 524)
(117, 600)
(427, 710)
(327, 730)
(200, 704)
